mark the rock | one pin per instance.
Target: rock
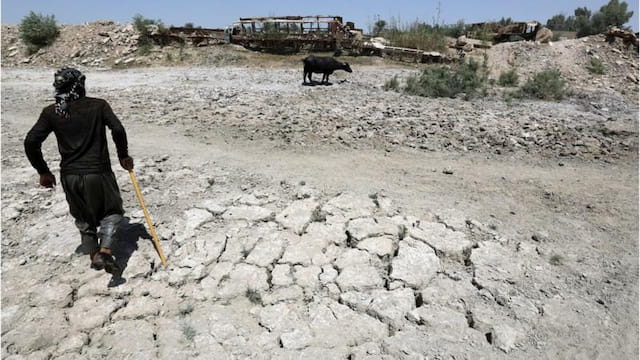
(440, 321)
(495, 268)
(297, 339)
(505, 337)
(298, 215)
(359, 277)
(212, 206)
(93, 311)
(544, 35)
(307, 277)
(127, 337)
(416, 264)
(540, 236)
(249, 213)
(267, 250)
(362, 228)
(72, 344)
(328, 274)
(350, 206)
(281, 275)
(243, 277)
(454, 297)
(138, 308)
(301, 250)
(52, 294)
(335, 325)
(388, 306)
(381, 246)
(448, 170)
(39, 328)
(193, 219)
(452, 244)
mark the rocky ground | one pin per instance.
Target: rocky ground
(326, 222)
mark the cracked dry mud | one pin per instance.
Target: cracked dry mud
(316, 253)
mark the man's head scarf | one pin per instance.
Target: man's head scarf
(69, 85)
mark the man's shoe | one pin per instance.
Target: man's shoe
(97, 261)
(111, 266)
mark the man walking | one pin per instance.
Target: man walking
(79, 123)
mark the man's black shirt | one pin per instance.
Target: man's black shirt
(81, 137)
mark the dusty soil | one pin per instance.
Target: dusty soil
(337, 221)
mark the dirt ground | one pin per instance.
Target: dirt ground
(552, 187)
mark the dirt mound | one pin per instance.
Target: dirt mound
(572, 57)
(95, 44)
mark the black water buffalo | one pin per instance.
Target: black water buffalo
(322, 65)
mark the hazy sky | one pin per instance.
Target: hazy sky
(218, 14)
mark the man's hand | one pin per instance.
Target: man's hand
(127, 163)
(47, 180)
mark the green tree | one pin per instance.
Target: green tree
(613, 13)
(379, 27)
(38, 30)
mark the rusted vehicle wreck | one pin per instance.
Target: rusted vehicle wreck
(294, 33)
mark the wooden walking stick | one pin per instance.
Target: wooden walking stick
(152, 229)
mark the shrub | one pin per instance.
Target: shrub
(142, 25)
(38, 31)
(596, 66)
(469, 77)
(508, 78)
(392, 84)
(417, 35)
(546, 85)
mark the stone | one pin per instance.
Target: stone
(39, 328)
(379, 245)
(328, 274)
(138, 308)
(281, 275)
(307, 276)
(454, 297)
(174, 338)
(249, 213)
(212, 206)
(267, 250)
(72, 344)
(505, 337)
(359, 277)
(301, 250)
(297, 339)
(280, 318)
(391, 306)
(242, 278)
(441, 321)
(93, 311)
(388, 306)
(52, 294)
(127, 337)
(298, 215)
(362, 228)
(217, 272)
(193, 219)
(416, 264)
(58, 239)
(326, 233)
(283, 294)
(350, 206)
(336, 325)
(540, 236)
(496, 268)
(451, 244)
(453, 219)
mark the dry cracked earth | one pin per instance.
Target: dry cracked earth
(337, 222)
